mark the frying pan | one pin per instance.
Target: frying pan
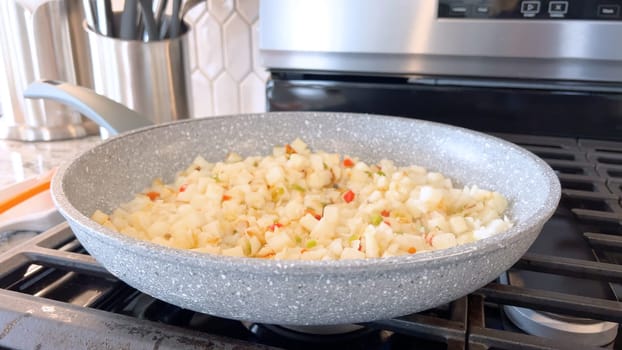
(294, 292)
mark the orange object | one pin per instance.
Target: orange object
(153, 195)
(348, 163)
(314, 214)
(289, 149)
(412, 250)
(41, 184)
(349, 196)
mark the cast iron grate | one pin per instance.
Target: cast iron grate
(53, 271)
(587, 227)
(51, 279)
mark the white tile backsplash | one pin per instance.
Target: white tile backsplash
(208, 47)
(202, 95)
(248, 9)
(237, 44)
(227, 76)
(252, 98)
(221, 9)
(226, 95)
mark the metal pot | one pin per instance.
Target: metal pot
(295, 292)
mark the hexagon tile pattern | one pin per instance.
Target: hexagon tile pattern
(227, 77)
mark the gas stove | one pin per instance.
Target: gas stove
(542, 74)
(564, 291)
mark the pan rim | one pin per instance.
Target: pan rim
(430, 258)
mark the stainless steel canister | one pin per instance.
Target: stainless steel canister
(36, 43)
(152, 78)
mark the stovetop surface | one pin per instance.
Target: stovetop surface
(54, 295)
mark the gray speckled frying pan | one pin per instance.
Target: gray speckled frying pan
(295, 292)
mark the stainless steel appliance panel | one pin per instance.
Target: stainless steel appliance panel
(407, 37)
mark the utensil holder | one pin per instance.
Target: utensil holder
(152, 78)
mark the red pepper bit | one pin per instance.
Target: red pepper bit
(385, 213)
(314, 214)
(225, 197)
(348, 163)
(153, 195)
(183, 187)
(273, 226)
(412, 250)
(349, 196)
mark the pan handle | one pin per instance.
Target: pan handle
(113, 116)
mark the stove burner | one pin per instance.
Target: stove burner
(325, 330)
(575, 329)
(306, 337)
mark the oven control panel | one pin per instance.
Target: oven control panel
(610, 10)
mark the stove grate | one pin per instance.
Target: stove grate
(50, 280)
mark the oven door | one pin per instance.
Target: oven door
(492, 105)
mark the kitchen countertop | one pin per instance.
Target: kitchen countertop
(22, 160)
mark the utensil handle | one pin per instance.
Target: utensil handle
(113, 116)
(175, 20)
(159, 13)
(128, 20)
(150, 24)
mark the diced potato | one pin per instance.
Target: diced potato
(100, 217)
(350, 253)
(336, 247)
(233, 251)
(309, 222)
(444, 240)
(319, 179)
(208, 249)
(274, 175)
(279, 241)
(331, 214)
(371, 245)
(324, 231)
(457, 224)
(314, 254)
(430, 196)
(299, 146)
(298, 162)
(254, 199)
(233, 157)
(298, 204)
